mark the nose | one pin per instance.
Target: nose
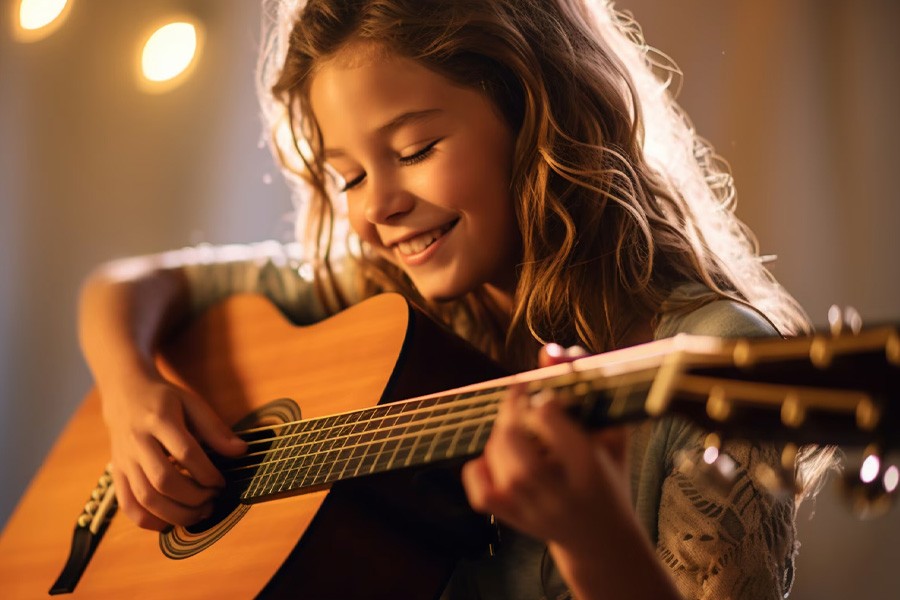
(386, 200)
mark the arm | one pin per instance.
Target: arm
(543, 475)
(546, 477)
(126, 308)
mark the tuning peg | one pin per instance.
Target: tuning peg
(844, 320)
(871, 490)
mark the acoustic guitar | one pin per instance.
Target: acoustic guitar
(350, 487)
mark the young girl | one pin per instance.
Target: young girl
(519, 168)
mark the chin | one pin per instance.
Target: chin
(441, 293)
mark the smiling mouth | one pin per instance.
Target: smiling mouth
(421, 242)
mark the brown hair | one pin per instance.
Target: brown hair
(605, 236)
(618, 200)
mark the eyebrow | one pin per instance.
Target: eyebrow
(394, 124)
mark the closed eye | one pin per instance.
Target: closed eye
(419, 156)
(406, 161)
(349, 185)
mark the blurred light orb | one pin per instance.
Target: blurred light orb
(39, 18)
(169, 51)
(891, 478)
(35, 14)
(870, 468)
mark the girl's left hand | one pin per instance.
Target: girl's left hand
(545, 475)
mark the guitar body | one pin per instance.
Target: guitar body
(351, 541)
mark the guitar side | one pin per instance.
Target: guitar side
(239, 356)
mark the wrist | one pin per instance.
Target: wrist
(621, 563)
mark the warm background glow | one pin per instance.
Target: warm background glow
(801, 97)
(39, 18)
(169, 51)
(34, 14)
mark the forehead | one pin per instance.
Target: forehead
(365, 86)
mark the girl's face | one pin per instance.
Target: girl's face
(426, 165)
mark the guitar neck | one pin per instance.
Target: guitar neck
(311, 454)
(803, 390)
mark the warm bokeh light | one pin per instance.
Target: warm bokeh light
(870, 468)
(891, 478)
(34, 14)
(169, 51)
(39, 18)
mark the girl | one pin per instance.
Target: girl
(517, 167)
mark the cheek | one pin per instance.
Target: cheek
(363, 228)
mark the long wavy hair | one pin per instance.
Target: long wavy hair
(618, 200)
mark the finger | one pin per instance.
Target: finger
(563, 437)
(210, 428)
(163, 507)
(477, 483)
(554, 354)
(167, 479)
(614, 442)
(513, 454)
(130, 506)
(484, 497)
(185, 449)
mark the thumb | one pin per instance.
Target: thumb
(211, 429)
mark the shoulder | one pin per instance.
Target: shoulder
(720, 318)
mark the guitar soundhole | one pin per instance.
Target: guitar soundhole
(183, 542)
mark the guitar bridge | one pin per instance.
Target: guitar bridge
(89, 529)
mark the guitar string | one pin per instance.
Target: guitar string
(438, 399)
(442, 409)
(456, 408)
(480, 417)
(470, 436)
(487, 410)
(439, 419)
(549, 382)
(446, 410)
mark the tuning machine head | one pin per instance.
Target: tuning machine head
(871, 490)
(844, 320)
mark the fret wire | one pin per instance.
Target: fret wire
(373, 414)
(357, 435)
(450, 413)
(266, 467)
(309, 459)
(359, 452)
(418, 430)
(478, 437)
(299, 462)
(336, 454)
(280, 451)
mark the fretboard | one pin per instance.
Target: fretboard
(311, 454)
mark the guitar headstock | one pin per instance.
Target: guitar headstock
(827, 389)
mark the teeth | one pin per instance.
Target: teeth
(421, 242)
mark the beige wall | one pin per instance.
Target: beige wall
(800, 96)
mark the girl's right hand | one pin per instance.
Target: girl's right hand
(162, 474)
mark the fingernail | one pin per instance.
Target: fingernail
(554, 350)
(576, 352)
